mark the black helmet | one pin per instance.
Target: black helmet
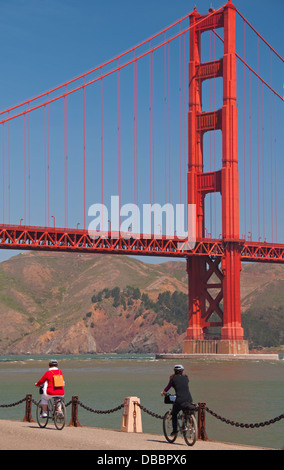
(53, 363)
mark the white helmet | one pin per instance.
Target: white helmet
(178, 368)
(53, 363)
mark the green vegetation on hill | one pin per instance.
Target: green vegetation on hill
(264, 326)
(170, 307)
(263, 321)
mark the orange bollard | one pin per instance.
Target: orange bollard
(131, 416)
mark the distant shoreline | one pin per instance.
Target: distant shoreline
(267, 356)
(151, 357)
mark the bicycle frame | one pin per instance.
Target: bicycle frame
(59, 417)
(187, 426)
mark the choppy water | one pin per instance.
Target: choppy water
(240, 390)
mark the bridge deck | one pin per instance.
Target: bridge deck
(64, 239)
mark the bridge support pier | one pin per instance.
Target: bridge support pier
(223, 346)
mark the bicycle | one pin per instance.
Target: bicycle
(56, 411)
(186, 422)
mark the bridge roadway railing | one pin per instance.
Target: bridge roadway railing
(75, 403)
(26, 237)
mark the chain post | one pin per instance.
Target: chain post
(28, 414)
(74, 421)
(201, 433)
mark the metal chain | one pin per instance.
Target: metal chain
(36, 402)
(155, 415)
(100, 411)
(245, 425)
(13, 404)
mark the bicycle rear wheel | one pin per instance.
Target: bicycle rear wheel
(41, 421)
(168, 427)
(60, 416)
(189, 429)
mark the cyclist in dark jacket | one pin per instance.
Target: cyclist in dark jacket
(179, 382)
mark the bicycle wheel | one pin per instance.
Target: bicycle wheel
(60, 416)
(168, 427)
(42, 422)
(189, 429)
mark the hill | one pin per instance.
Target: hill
(46, 304)
(263, 304)
(81, 303)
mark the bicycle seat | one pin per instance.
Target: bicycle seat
(188, 407)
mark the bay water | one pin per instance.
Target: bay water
(243, 391)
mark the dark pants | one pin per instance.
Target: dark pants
(175, 410)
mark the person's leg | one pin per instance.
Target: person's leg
(175, 411)
(44, 402)
(44, 398)
(58, 404)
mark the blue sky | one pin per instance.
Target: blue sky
(47, 42)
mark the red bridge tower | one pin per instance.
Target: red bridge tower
(205, 273)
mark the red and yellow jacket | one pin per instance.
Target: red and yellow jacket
(48, 376)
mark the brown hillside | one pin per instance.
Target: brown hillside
(44, 299)
(46, 302)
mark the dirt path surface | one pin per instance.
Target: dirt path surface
(16, 435)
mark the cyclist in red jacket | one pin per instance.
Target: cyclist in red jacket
(50, 389)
